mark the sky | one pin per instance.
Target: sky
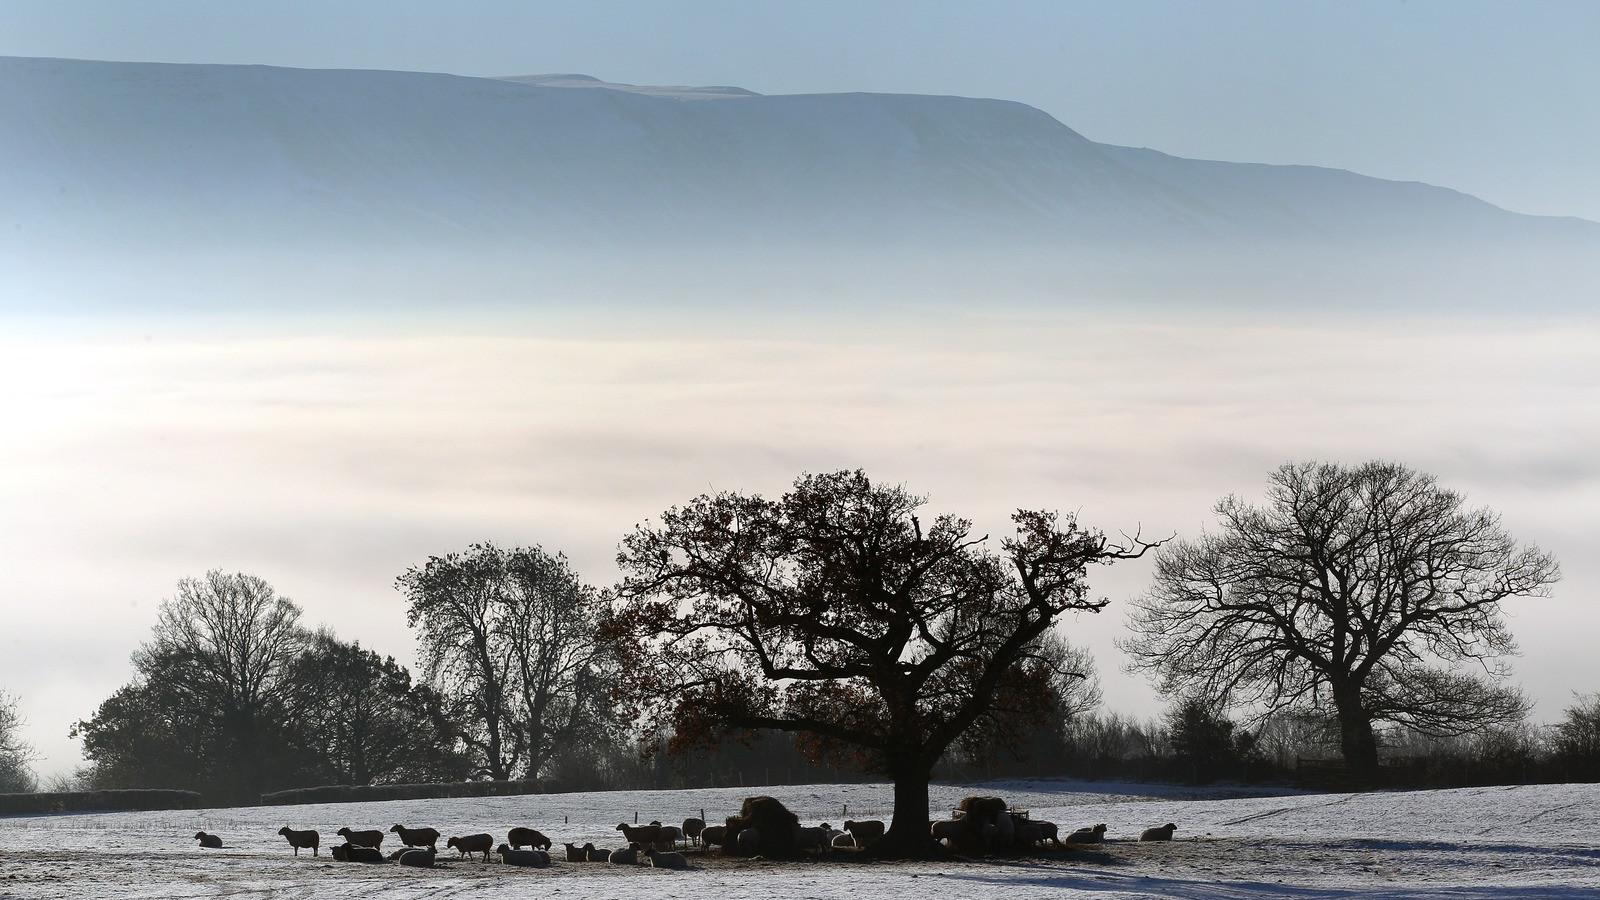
(1493, 98)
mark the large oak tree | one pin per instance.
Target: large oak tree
(1369, 590)
(835, 613)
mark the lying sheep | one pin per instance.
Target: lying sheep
(576, 853)
(844, 840)
(1095, 835)
(527, 837)
(348, 852)
(866, 833)
(299, 839)
(643, 835)
(663, 860)
(1164, 833)
(418, 859)
(533, 859)
(692, 828)
(951, 830)
(596, 854)
(628, 856)
(714, 835)
(373, 838)
(472, 843)
(209, 841)
(417, 837)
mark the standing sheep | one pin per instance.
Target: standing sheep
(866, 833)
(417, 837)
(714, 835)
(373, 838)
(298, 839)
(643, 835)
(693, 827)
(472, 843)
(527, 837)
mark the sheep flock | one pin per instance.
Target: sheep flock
(979, 826)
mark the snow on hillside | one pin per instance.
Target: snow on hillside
(1525, 841)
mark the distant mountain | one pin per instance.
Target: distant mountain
(240, 162)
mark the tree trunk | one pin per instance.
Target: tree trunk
(1356, 739)
(908, 836)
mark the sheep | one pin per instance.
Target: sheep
(952, 830)
(671, 835)
(817, 838)
(527, 837)
(1095, 835)
(209, 841)
(533, 859)
(1006, 830)
(714, 835)
(472, 843)
(298, 839)
(420, 859)
(692, 828)
(844, 840)
(866, 833)
(1164, 833)
(749, 841)
(373, 838)
(643, 835)
(417, 837)
(576, 853)
(628, 856)
(666, 860)
(597, 854)
(1048, 832)
(348, 852)
(1029, 834)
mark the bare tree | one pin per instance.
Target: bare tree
(834, 614)
(508, 640)
(1365, 589)
(16, 754)
(549, 623)
(220, 650)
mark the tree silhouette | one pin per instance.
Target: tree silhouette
(1363, 589)
(507, 637)
(15, 753)
(835, 614)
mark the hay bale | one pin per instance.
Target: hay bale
(772, 820)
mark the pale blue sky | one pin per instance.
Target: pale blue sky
(1495, 98)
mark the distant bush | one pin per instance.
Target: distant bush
(357, 793)
(96, 801)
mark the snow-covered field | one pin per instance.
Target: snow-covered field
(1518, 841)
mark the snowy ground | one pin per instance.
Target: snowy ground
(1523, 842)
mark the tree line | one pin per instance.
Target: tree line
(843, 623)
